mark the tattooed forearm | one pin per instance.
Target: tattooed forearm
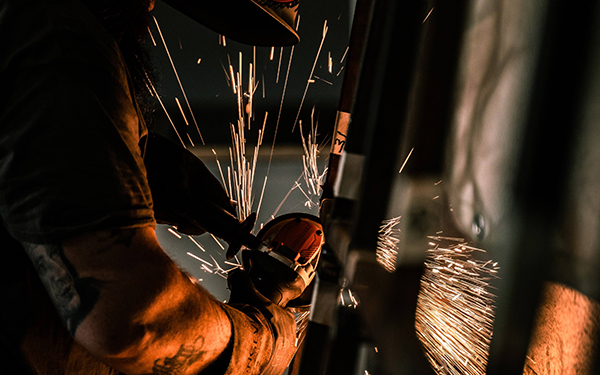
(187, 355)
(72, 296)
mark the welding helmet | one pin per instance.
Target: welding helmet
(254, 22)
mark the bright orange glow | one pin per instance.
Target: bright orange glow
(563, 340)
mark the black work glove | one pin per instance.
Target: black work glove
(185, 193)
(263, 334)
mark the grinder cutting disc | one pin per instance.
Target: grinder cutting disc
(287, 265)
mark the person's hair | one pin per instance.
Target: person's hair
(127, 22)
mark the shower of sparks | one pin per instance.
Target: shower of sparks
(387, 244)
(312, 177)
(241, 171)
(301, 317)
(178, 80)
(455, 308)
(310, 77)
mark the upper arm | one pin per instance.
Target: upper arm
(126, 302)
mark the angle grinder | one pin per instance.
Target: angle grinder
(282, 258)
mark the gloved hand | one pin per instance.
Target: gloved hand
(264, 335)
(185, 193)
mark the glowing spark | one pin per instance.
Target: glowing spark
(345, 53)
(226, 74)
(232, 76)
(280, 106)
(190, 139)
(199, 60)
(272, 54)
(220, 169)
(387, 244)
(217, 241)
(330, 63)
(406, 160)
(338, 73)
(262, 193)
(436, 197)
(196, 243)
(151, 36)
(197, 258)
(279, 64)
(172, 231)
(178, 80)
(286, 196)
(455, 309)
(325, 28)
(167, 113)
(437, 183)
(428, 14)
(321, 79)
(181, 110)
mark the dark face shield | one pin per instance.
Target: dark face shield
(254, 22)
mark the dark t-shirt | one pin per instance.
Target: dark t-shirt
(70, 161)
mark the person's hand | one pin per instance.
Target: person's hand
(185, 192)
(264, 334)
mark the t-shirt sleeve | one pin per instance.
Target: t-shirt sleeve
(70, 159)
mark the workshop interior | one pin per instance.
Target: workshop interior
(447, 153)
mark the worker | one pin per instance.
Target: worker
(85, 285)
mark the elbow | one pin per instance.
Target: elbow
(119, 339)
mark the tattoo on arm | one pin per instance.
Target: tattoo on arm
(73, 297)
(179, 363)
